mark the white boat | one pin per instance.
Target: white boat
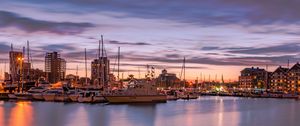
(137, 92)
(99, 98)
(49, 95)
(85, 97)
(73, 97)
(38, 96)
(61, 97)
(37, 92)
(190, 95)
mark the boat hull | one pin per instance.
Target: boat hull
(74, 98)
(85, 99)
(23, 96)
(137, 99)
(171, 97)
(99, 99)
(38, 97)
(61, 98)
(4, 96)
(12, 96)
(49, 97)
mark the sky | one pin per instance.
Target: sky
(217, 37)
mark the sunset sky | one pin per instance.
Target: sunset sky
(215, 36)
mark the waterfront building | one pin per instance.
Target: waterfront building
(16, 60)
(55, 67)
(72, 78)
(100, 71)
(82, 81)
(36, 74)
(166, 79)
(253, 78)
(294, 79)
(279, 79)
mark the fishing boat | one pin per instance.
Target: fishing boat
(137, 92)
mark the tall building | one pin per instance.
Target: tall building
(16, 60)
(279, 79)
(55, 67)
(294, 78)
(100, 70)
(253, 78)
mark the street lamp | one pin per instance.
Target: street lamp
(20, 59)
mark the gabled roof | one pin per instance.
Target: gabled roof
(295, 67)
(281, 70)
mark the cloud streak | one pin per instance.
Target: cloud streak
(9, 19)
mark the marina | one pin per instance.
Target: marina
(208, 110)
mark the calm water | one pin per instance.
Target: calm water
(205, 111)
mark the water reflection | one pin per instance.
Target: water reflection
(208, 111)
(21, 114)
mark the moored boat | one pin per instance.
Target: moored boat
(49, 95)
(23, 96)
(137, 92)
(190, 95)
(12, 96)
(37, 92)
(4, 95)
(85, 97)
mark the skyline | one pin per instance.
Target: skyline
(215, 36)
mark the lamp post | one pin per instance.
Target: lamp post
(20, 60)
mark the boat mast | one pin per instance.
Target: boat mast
(102, 62)
(98, 63)
(28, 61)
(119, 63)
(22, 69)
(184, 68)
(184, 71)
(86, 81)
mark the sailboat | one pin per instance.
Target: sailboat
(187, 94)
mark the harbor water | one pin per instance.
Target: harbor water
(204, 111)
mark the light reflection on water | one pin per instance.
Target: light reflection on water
(206, 111)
